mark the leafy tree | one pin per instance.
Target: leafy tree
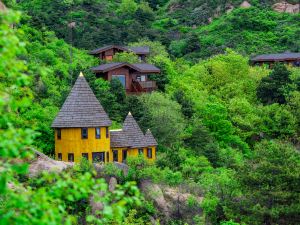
(112, 97)
(201, 142)
(186, 104)
(128, 7)
(271, 184)
(272, 88)
(166, 120)
(221, 189)
(193, 167)
(128, 57)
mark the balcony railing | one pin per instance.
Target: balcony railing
(147, 84)
(143, 86)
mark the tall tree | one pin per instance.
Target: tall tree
(272, 89)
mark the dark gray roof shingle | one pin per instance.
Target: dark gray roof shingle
(81, 108)
(276, 57)
(146, 68)
(134, 134)
(139, 50)
(107, 67)
(118, 139)
(140, 67)
(150, 140)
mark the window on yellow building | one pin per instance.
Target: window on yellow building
(58, 132)
(84, 133)
(59, 156)
(107, 132)
(85, 155)
(107, 156)
(115, 155)
(71, 157)
(124, 156)
(97, 132)
(141, 151)
(149, 153)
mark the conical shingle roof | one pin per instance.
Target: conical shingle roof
(134, 134)
(150, 140)
(81, 108)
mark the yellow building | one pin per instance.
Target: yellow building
(82, 130)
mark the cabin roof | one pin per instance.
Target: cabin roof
(139, 50)
(140, 67)
(150, 139)
(276, 57)
(81, 108)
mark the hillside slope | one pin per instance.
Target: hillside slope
(182, 26)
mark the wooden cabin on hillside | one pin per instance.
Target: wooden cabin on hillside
(82, 130)
(292, 59)
(134, 77)
(108, 52)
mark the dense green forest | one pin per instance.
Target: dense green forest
(230, 131)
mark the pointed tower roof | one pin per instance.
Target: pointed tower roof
(150, 139)
(81, 108)
(134, 134)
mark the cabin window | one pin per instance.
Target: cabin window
(124, 155)
(58, 132)
(115, 155)
(107, 156)
(85, 155)
(143, 78)
(149, 153)
(141, 151)
(98, 156)
(98, 132)
(84, 133)
(59, 156)
(121, 78)
(107, 132)
(71, 157)
(138, 77)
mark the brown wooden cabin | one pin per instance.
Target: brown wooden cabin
(108, 52)
(134, 77)
(292, 59)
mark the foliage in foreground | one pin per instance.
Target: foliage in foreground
(50, 198)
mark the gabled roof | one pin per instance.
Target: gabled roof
(150, 140)
(134, 134)
(277, 57)
(140, 67)
(81, 108)
(139, 50)
(107, 47)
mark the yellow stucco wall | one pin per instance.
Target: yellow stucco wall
(71, 142)
(133, 152)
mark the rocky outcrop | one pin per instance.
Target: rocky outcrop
(154, 193)
(95, 203)
(172, 203)
(286, 7)
(2, 7)
(41, 162)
